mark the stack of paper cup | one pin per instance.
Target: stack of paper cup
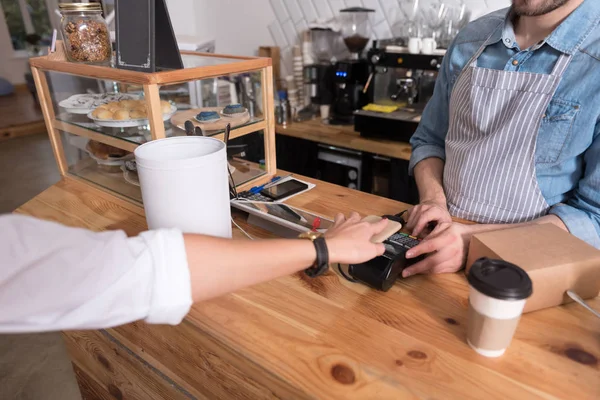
(185, 185)
(293, 96)
(299, 75)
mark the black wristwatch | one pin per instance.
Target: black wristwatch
(322, 262)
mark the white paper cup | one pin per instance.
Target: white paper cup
(185, 184)
(497, 295)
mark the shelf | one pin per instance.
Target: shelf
(88, 169)
(135, 136)
(196, 66)
(130, 138)
(256, 124)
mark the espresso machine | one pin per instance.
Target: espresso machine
(398, 80)
(350, 76)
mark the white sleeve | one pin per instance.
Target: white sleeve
(56, 278)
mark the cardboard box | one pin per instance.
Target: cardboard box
(555, 260)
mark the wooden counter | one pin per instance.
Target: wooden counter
(344, 136)
(299, 338)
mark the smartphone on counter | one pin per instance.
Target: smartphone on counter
(284, 189)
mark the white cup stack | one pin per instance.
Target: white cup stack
(293, 94)
(298, 77)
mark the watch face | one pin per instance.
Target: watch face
(310, 235)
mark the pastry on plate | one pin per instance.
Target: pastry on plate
(165, 106)
(234, 109)
(128, 104)
(208, 116)
(137, 114)
(126, 110)
(103, 114)
(121, 115)
(104, 151)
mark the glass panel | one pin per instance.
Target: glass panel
(102, 165)
(246, 154)
(213, 95)
(74, 98)
(108, 167)
(193, 60)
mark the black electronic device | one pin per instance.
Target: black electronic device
(284, 189)
(350, 77)
(318, 82)
(381, 272)
(144, 36)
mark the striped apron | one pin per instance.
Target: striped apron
(495, 116)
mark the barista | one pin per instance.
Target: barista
(512, 133)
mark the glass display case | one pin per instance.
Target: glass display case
(97, 115)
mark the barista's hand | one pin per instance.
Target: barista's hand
(447, 248)
(349, 240)
(421, 215)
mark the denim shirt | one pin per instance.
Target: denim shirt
(567, 154)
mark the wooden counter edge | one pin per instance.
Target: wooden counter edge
(341, 136)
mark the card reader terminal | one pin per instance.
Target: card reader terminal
(381, 272)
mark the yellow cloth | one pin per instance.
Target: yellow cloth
(380, 108)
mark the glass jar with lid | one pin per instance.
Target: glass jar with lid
(85, 33)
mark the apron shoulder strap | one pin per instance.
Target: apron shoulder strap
(473, 61)
(561, 65)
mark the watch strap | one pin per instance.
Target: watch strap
(322, 263)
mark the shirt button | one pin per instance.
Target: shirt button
(515, 63)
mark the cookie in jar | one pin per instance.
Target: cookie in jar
(85, 33)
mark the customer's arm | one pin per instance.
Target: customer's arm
(54, 278)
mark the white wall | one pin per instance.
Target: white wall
(241, 26)
(238, 26)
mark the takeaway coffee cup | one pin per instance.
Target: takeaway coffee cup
(497, 294)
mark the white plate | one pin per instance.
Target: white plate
(110, 123)
(85, 103)
(130, 176)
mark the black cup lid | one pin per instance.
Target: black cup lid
(500, 279)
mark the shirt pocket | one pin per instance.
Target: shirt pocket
(555, 130)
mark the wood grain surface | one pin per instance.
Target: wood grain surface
(344, 136)
(296, 338)
(238, 65)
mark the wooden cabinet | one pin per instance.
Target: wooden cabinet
(207, 81)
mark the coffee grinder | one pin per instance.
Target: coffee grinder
(318, 76)
(350, 76)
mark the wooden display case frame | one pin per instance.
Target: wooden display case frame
(151, 82)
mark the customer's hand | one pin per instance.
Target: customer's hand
(447, 249)
(429, 211)
(349, 240)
